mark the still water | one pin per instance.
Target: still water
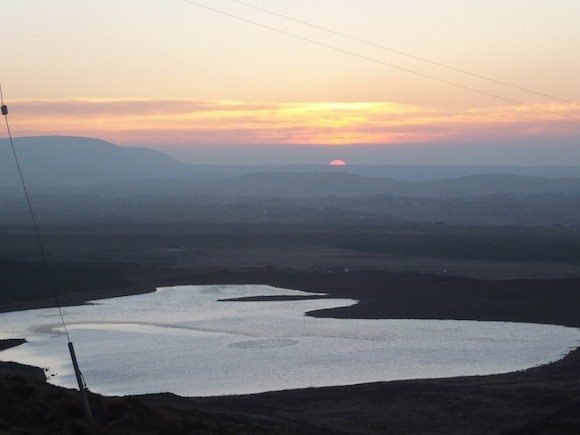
(188, 341)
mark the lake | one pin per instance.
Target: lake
(189, 341)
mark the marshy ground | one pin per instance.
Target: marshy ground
(427, 272)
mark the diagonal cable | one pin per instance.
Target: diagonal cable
(33, 217)
(402, 53)
(380, 62)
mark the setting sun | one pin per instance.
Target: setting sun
(337, 163)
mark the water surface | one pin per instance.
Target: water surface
(187, 341)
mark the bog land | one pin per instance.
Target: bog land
(426, 271)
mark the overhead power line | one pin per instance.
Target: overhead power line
(78, 374)
(380, 62)
(402, 53)
(32, 215)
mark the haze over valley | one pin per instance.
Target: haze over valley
(367, 214)
(74, 180)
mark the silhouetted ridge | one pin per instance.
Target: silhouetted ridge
(496, 184)
(315, 184)
(80, 161)
(77, 163)
(307, 184)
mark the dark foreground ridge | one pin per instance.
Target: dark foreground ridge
(540, 400)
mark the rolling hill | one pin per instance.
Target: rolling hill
(77, 161)
(59, 162)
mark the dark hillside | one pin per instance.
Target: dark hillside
(79, 161)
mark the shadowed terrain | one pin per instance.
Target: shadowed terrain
(425, 243)
(539, 400)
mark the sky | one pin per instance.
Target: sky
(244, 85)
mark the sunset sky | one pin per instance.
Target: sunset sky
(209, 88)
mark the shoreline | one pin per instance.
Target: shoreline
(394, 376)
(544, 397)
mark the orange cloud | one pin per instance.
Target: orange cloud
(176, 121)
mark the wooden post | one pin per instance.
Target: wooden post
(80, 381)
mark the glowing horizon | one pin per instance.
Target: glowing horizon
(162, 74)
(184, 122)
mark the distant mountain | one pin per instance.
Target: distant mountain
(306, 185)
(53, 162)
(395, 172)
(79, 161)
(496, 184)
(315, 184)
